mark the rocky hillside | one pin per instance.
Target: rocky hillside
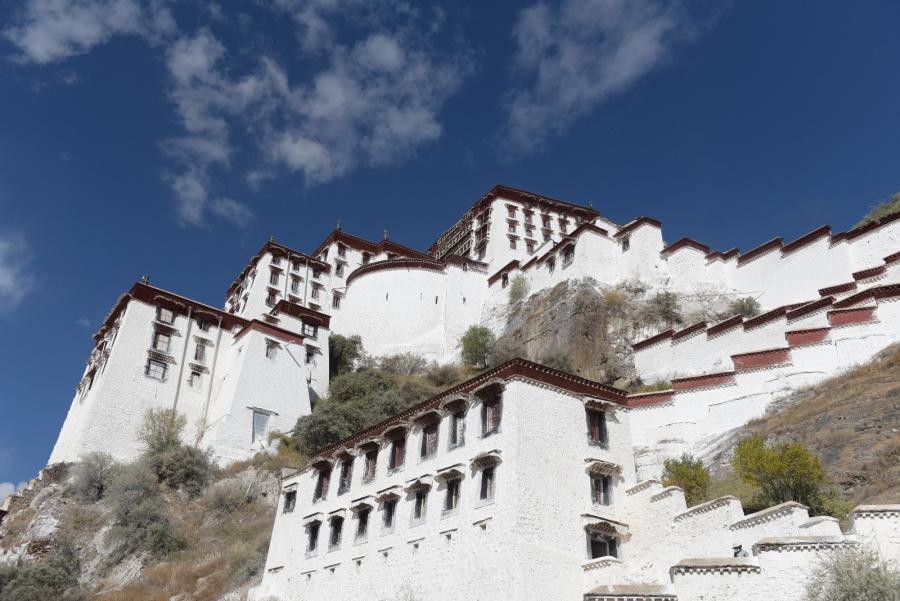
(587, 328)
(852, 421)
(54, 544)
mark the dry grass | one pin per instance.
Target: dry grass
(225, 552)
(853, 422)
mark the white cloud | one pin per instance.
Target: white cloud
(573, 55)
(83, 321)
(369, 96)
(50, 30)
(232, 211)
(8, 488)
(16, 279)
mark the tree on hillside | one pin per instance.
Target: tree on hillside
(785, 471)
(477, 343)
(747, 307)
(343, 353)
(882, 210)
(688, 473)
(518, 289)
(161, 430)
(663, 308)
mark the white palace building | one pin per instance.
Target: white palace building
(525, 482)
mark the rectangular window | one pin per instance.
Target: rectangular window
(274, 277)
(271, 349)
(487, 483)
(451, 501)
(200, 352)
(568, 255)
(398, 452)
(165, 315)
(371, 465)
(334, 540)
(602, 545)
(366, 257)
(312, 536)
(310, 330)
(161, 342)
(601, 490)
(295, 284)
(204, 325)
(512, 243)
(362, 524)
(490, 417)
(420, 505)
(156, 369)
(429, 440)
(545, 220)
(322, 485)
(504, 280)
(310, 354)
(457, 429)
(339, 269)
(342, 250)
(194, 379)
(270, 298)
(390, 511)
(276, 259)
(346, 475)
(260, 426)
(315, 291)
(290, 501)
(317, 273)
(597, 432)
(336, 300)
(530, 246)
(296, 265)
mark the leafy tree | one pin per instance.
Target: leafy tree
(785, 471)
(882, 210)
(689, 473)
(161, 430)
(343, 353)
(854, 575)
(92, 475)
(518, 289)
(443, 376)
(477, 343)
(54, 578)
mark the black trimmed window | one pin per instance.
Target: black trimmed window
(598, 433)
(429, 439)
(322, 482)
(312, 536)
(451, 498)
(601, 489)
(420, 506)
(362, 523)
(161, 342)
(346, 477)
(488, 483)
(491, 412)
(337, 529)
(310, 330)
(165, 315)
(457, 433)
(389, 514)
(156, 369)
(290, 501)
(371, 465)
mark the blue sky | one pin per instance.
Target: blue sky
(172, 138)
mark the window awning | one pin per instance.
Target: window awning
(600, 467)
(453, 472)
(392, 492)
(362, 503)
(486, 459)
(456, 402)
(603, 525)
(423, 482)
(313, 517)
(337, 513)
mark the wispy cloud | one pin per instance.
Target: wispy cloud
(51, 30)
(370, 98)
(573, 55)
(83, 321)
(16, 279)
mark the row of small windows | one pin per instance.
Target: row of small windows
(419, 501)
(491, 411)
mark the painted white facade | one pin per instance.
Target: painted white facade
(531, 539)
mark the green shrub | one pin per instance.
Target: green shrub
(404, 364)
(557, 360)
(662, 308)
(184, 468)
(343, 353)
(477, 343)
(518, 289)
(690, 474)
(881, 210)
(140, 521)
(226, 497)
(53, 578)
(91, 476)
(504, 350)
(786, 471)
(443, 376)
(161, 430)
(854, 575)
(747, 307)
